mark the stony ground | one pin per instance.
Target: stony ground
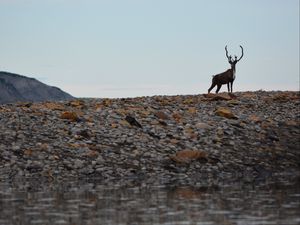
(160, 139)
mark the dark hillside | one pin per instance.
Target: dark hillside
(18, 88)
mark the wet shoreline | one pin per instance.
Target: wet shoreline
(30, 201)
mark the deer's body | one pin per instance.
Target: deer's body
(226, 77)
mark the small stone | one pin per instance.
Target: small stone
(99, 159)
(16, 147)
(78, 163)
(201, 125)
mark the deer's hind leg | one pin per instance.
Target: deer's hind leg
(211, 87)
(218, 88)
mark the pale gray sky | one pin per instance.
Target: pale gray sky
(122, 48)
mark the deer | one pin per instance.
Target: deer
(228, 76)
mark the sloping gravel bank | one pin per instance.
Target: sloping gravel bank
(160, 139)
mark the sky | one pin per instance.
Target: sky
(128, 48)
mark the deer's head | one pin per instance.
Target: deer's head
(232, 61)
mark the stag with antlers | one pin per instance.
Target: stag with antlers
(228, 76)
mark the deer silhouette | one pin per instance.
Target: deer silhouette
(228, 76)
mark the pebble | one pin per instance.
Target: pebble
(92, 138)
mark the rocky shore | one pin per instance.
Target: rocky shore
(159, 139)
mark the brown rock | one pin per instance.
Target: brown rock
(106, 102)
(266, 124)
(292, 123)
(43, 146)
(254, 118)
(232, 96)
(174, 141)
(92, 154)
(124, 123)
(98, 107)
(192, 110)
(48, 105)
(177, 117)
(161, 115)
(186, 156)
(221, 96)
(187, 193)
(285, 97)
(249, 95)
(74, 145)
(76, 103)
(224, 112)
(114, 125)
(209, 95)
(233, 102)
(28, 152)
(121, 112)
(188, 101)
(72, 116)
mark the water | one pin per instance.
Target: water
(93, 202)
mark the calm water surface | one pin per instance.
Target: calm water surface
(92, 202)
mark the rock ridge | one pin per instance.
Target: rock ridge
(159, 139)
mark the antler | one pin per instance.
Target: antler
(242, 53)
(228, 57)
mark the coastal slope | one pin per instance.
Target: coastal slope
(161, 139)
(18, 88)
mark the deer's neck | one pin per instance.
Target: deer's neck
(233, 71)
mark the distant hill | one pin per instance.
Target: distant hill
(18, 88)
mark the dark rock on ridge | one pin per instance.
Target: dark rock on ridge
(17, 88)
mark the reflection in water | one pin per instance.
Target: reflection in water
(93, 203)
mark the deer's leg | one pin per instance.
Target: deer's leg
(228, 87)
(231, 86)
(211, 87)
(218, 88)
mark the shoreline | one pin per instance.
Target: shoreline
(159, 139)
